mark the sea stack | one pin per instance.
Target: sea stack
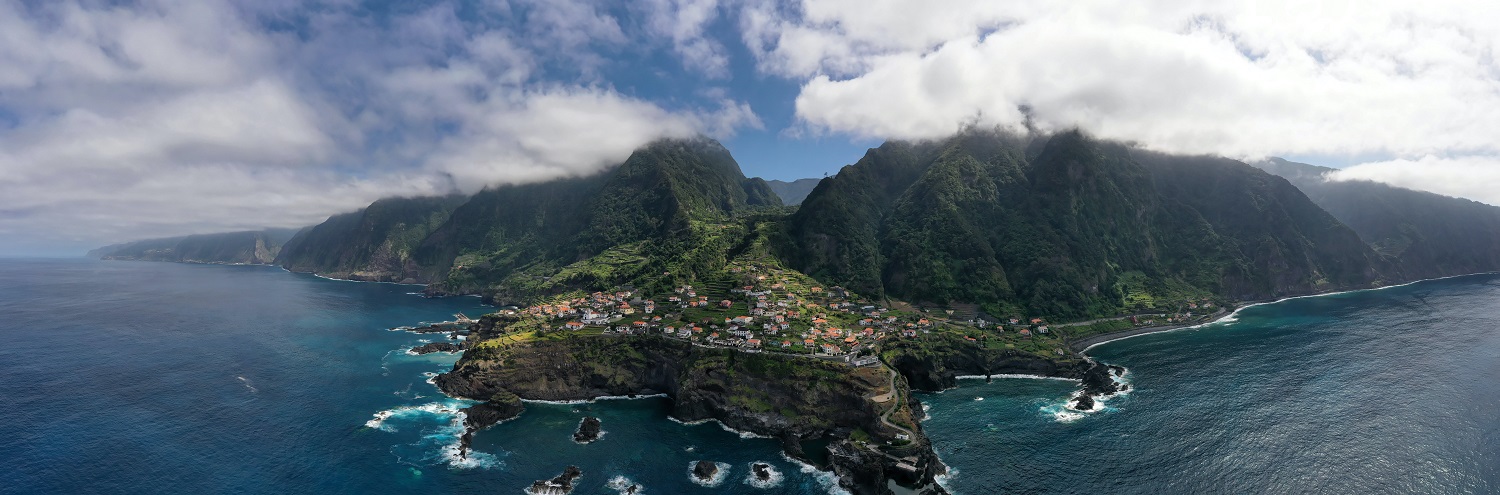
(762, 471)
(437, 347)
(705, 470)
(561, 485)
(588, 430)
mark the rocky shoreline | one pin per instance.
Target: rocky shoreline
(790, 399)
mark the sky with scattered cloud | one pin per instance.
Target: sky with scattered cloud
(129, 119)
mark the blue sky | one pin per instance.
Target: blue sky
(131, 119)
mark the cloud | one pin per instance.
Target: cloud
(167, 117)
(1472, 177)
(685, 22)
(566, 132)
(1238, 78)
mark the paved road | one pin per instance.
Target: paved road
(886, 418)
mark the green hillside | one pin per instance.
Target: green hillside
(1426, 235)
(1081, 228)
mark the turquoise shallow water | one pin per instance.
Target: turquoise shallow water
(1387, 391)
(129, 377)
(120, 377)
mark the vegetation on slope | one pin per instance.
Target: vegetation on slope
(1079, 228)
(1424, 234)
(249, 247)
(375, 243)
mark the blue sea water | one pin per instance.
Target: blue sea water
(126, 377)
(1386, 391)
(135, 377)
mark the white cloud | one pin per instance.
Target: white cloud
(1240, 78)
(1472, 177)
(566, 132)
(685, 23)
(167, 117)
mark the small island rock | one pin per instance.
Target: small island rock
(762, 471)
(588, 430)
(705, 470)
(561, 485)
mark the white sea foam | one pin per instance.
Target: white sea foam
(439, 445)
(622, 484)
(1233, 316)
(593, 400)
(381, 420)
(825, 478)
(324, 277)
(598, 437)
(1062, 413)
(1015, 375)
(772, 482)
(1066, 412)
(246, 382)
(717, 479)
(742, 434)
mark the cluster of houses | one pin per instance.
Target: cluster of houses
(762, 314)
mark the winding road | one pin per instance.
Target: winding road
(896, 398)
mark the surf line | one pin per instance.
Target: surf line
(1234, 315)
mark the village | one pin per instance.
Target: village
(760, 309)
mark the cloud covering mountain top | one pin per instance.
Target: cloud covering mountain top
(123, 120)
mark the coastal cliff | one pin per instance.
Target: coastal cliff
(259, 247)
(788, 398)
(935, 362)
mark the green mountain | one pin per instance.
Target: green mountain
(792, 193)
(248, 247)
(659, 217)
(1066, 226)
(1427, 235)
(373, 244)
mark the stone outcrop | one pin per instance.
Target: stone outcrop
(705, 470)
(788, 398)
(588, 430)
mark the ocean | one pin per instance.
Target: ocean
(137, 377)
(163, 378)
(1395, 390)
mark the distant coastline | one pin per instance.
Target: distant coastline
(1083, 346)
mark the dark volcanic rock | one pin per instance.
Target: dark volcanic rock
(437, 347)
(588, 430)
(935, 363)
(762, 471)
(807, 398)
(1098, 381)
(705, 470)
(561, 485)
(503, 406)
(1084, 402)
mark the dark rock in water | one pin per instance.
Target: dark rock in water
(561, 485)
(437, 347)
(1100, 379)
(502, 406)
(762, 471)
(1084, 402)
(705, 470)
(588, 430)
